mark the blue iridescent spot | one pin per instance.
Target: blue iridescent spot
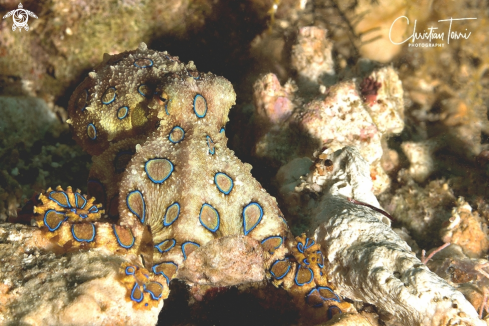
(120, 242)
(167, 269)
(137, 206)
(136, 294)
(280, 268)
(60, 198)
(75, 228)
(210, 144)
(303, 275)
(143, 63)
(80, 201)
(176, 134)
(222, 130)
(152, 292)
(209, 217)
(186, 251)
(158, 169)
(252, 215)
(145, 90)
(333, 310)
(171, 214)
(165, 245)
(327, 294)
(223, 182)
(272, 243)
(109, 95)
(93, 209)
(91, 131)
(130, 270)
(122, 112)
(53, 219)
(301, 247)
(200, 106)
(309, 297)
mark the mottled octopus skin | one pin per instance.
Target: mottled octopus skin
(173, 192)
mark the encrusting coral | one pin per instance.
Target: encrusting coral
(179, 204)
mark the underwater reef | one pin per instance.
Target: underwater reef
(318, 175)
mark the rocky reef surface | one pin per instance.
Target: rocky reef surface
(377, 152)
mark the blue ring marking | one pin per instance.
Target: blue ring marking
(284, 274)
(330, 311)
(195, 111)
(272, 237)
(151, 292)
(164, 179)
(317, 305)
(119, 241)
(125, 113)
(57, 202)
(305, 261)
(157, 246)
(176, 141)
(140, 92)
(307, 246)
(297, 272)
(83, 240)
(113, 99)
(83, 215)
(141, 218)
(78, 196)
(208, 145)
(336, 297)
(246, 231)
(93, 209)
(300, 247)
(222, 130)
(134, 288)
(94, 131)
(145, 66)
(130, 270)
(218, 218)
(57, 226)
(165, 222)
(161, 273)
(227, 176)
(86, 101)
(183, 248)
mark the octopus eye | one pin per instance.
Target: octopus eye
(163, 97)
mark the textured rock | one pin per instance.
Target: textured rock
(40, 287)
(373, 264)
(370, 261)
(350, 113)
(466, 229)
(311, 56)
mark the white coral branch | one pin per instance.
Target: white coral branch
(369, 262)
